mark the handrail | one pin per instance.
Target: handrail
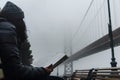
(98, 73)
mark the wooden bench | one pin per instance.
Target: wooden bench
(1, 74)
(97, 74)
(1, 71)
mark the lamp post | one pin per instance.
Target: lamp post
(113, 62)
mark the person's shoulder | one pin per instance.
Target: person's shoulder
(7, 32)
(2, 19)
(4, 24)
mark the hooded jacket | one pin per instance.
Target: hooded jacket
(12, 11)
(9, 52)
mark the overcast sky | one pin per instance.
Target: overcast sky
(47, 23)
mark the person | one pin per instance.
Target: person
(12, 35)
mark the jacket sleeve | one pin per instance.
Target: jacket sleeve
(9, 52)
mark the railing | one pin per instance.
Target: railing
(97, 74)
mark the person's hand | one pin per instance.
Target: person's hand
(49, 69)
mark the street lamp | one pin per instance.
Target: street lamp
(113, 62)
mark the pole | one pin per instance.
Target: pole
(57, 71)
(113, 62)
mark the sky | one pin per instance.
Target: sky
(49, 22)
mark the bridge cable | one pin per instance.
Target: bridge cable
(83, 19)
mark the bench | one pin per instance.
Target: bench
(97, 74)
(1, 72)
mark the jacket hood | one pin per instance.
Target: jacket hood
(11, 11)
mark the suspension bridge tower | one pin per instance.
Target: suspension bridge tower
(68, 66)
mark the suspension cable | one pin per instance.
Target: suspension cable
(83, 19)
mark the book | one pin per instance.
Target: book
(61, 60)
(57, 60)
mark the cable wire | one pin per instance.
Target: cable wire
(83, 18)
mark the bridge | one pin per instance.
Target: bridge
(93, 34)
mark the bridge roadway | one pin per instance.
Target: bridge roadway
(97, 46)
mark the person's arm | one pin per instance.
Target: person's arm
(9, 53)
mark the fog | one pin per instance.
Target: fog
(47, 23)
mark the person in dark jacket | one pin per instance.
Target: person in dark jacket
(12, 35)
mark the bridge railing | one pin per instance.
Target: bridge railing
(97, 74)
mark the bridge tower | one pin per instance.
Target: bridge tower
(68, 66)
